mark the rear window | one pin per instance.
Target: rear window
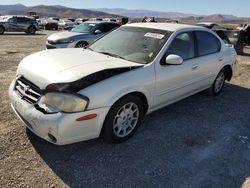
(207, 43)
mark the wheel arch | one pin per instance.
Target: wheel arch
(3, 27)
(81, 41)
(139, 94)
(229, 72)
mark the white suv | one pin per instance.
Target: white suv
(71, 95)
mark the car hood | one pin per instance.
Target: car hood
(64, 35)
(66, 65)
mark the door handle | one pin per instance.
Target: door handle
(195, 66)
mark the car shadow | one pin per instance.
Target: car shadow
(201, 141)
(245, 54)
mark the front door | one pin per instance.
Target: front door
(174, 82)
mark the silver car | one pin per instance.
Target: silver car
(80, 36)
(71, 95)
(18, 24)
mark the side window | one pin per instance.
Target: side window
(183, 45)
(207, 43)
(110, 27)
(101, 28)
(20, 20)
(14, 19)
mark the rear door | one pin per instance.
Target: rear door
(209, 58)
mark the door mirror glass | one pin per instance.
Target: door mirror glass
(97, 31)
(173, 60)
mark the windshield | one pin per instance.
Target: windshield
(140, 45)
(84, 28)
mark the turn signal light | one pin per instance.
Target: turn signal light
(87, 117)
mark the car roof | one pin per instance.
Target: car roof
(207, 23)
(17, 16)
(98, 22)
(163, 26)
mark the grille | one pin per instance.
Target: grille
(27, 90)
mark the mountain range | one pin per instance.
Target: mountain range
(144, 13)
(52, 11)
(66, 12)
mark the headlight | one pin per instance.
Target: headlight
(65, 41)
(63, 102)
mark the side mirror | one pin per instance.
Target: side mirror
(173, 60)
(97, 31)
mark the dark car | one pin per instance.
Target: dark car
(18, 24)
(229, 36)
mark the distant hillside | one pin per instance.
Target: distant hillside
(143, 13)
(65, 12)
(52, 11)
(186, 18)
(4, 9)
(216, 18)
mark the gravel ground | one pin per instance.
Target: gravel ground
(201, 141)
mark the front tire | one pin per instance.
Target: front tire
(2, 30)
(123, 119)
(218, 84)
(81, 44)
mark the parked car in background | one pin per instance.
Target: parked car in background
(18, 24)
(65, 24)
(54, 19)
(80, 36)
(48, 24)
(110, 19)
(229, 36)
(79, 21)
(72, 19)
(246, 27)
(70, 95)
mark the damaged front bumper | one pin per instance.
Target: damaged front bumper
(59, 128)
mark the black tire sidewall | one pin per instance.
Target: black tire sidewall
(2, 30)
(31, 30)
(108, 131)
(81, 42)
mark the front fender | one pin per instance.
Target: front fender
(107, 92)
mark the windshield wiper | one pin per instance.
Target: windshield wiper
(111, 54)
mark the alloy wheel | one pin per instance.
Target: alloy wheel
(126, 119)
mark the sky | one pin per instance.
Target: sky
(200, 7)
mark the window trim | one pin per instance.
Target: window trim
(195, 47)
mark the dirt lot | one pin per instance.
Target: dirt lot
(198, 142)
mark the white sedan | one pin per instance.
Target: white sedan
(71, 95)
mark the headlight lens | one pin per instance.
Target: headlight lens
(63, 102)
(65, 41)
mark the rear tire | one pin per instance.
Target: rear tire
(31, 30)
(123, 119)
(2, 30)
(218, 84)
